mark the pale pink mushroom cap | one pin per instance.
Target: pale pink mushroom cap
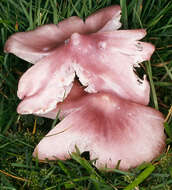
(33, 45)
(111, 129)
(103, 61)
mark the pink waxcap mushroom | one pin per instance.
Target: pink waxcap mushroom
(111, 129)
(33, 45)
(105, 62)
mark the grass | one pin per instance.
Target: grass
(18, 137)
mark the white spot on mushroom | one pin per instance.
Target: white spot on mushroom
(75, 39)
(102, 45)
(45, 49)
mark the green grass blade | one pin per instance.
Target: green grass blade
(55, 14)
(154, 96)
(124, 17)
(141, 177)
(159, 16)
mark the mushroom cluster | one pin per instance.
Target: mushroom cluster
(87, 71)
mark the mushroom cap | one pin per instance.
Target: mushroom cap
(111, 129)
(36, 44)
(103, 62)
